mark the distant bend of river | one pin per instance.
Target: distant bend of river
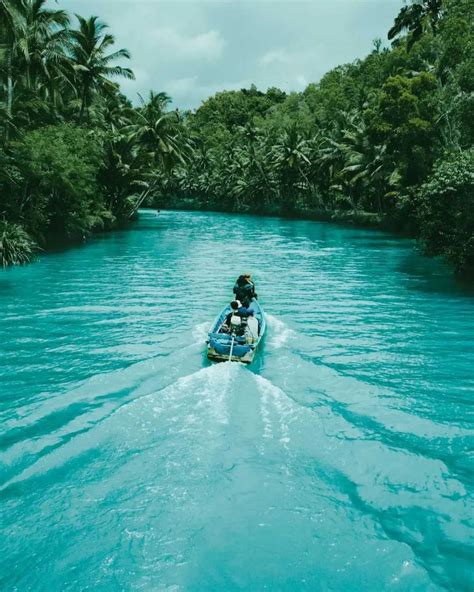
(341, 460)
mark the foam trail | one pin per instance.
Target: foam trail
(280, 332)
(184, 405)
(274, 399)
(264, 409)
(200, 331)
(208, 388)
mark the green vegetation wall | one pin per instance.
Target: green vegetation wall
(388, 137)
(369, 138)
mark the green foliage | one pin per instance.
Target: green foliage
(416, 18)
(61, 163)
(404, 121)
(364, 138)
(75, 155)
(455, 69)
(446, 211)
(90, 62)
(234, 108)
(16, 246)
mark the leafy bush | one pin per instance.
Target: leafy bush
(16, 245)
(61, 164)
(446, 211)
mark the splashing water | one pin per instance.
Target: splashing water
(280, 333)
(339, 460)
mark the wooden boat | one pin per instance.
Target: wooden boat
(236, 345)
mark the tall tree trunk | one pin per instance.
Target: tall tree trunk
(9, 85)
(28, 76)
(9, 96)
(379, 199)
(142, 198)
(83, 103)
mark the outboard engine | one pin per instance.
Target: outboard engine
(235, 323)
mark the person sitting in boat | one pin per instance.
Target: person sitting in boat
(240, 311)
(244, 289)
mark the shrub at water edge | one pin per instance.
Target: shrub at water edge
(446, 211)
(16, 245)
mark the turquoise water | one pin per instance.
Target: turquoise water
(341, 460)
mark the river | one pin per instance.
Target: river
(341, 460)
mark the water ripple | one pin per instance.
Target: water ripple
(341, 460)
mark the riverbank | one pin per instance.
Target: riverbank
(357, 218)
(55, 242)
(18, 247)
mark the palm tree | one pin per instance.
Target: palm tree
(160, 132)
(92, 65)
(327, 158)
(122, 172)
(42, 40)
(416, 18)
(291, 157)
(366, 167)
(114, 111)
(257, 160)
(11, 24)
(161, 136)
(33, 40)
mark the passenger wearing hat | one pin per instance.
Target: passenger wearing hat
(244, 289)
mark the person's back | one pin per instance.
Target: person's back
(244, 289)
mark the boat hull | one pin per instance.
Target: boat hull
(243, 349)
(217, 357)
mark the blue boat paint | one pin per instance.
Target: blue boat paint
(219, 344)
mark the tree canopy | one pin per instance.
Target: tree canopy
(387, 136)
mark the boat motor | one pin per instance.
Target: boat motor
(235, 324)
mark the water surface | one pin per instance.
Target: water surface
(341, 460)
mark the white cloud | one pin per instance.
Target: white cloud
(208, 46)
(277, 56)
(193, 48)
(302, 81)
(181, 86)
(191, 90)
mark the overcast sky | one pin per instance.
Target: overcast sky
(193, 48)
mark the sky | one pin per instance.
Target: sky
(193, 48)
